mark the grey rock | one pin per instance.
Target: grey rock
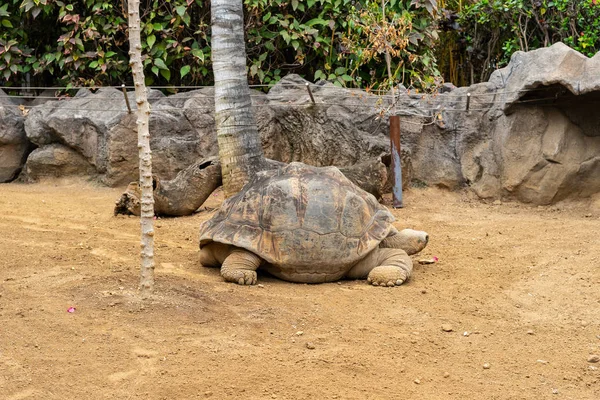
(531, 133)
(14, 145)
(56, 161)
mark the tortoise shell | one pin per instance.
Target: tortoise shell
(301, 220)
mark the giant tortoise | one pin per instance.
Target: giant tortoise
(307, 224)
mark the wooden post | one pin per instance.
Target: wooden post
(396, 161)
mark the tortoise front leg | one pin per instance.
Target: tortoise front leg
(383, 267)
(240, 267)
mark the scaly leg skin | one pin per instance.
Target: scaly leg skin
(240, 267)
(383, 267)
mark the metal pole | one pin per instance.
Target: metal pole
(396, 164)
(468, 101)
(126, 99)
(310, 93)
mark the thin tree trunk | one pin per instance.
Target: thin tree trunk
(240, 148)
(143, 116)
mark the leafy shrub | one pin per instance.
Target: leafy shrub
(84, 42)
(484, 34)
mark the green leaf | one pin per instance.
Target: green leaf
(6, 23)
(180, 10)
(69, 7)
(150, 41)
(295, 44)
(160, 64)
(155, 70)
(253, 70)
(199, 54)
(347, 78)
(166, 74)
(93, 64)
(184, 70)
(294, 4)
(110, 54)
(317, 21)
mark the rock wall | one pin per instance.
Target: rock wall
(531, 133)
(13, 141)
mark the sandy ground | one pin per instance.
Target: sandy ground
(518, 286)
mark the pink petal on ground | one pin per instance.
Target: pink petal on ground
(71, 310)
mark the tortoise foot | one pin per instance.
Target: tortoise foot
(240, 276)
(387, 275)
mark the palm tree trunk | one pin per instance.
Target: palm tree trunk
(240, 148)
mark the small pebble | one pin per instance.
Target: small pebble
(417, 381)
(594, 358)
(299, 333)
(554, 391)
(447, 328)
(423, 291)
(446, 374)
(260, 285)
(465, 333)
(530, 332)
(486, 366)
(310, 346)
(542, 361)
(497, 203)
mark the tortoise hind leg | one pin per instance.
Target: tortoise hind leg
(383, 267)
(240, 267)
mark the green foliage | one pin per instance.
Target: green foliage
(327, 39)
(488, 32)
(84, 42)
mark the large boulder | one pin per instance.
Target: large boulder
(182, 129)
(99, 128)
(14, 145)
(56, 161)
(530, 133)
(342, 127)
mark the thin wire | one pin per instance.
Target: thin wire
(363, 102)
(439, 110)
(298, 85)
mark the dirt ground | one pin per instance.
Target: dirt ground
(518, 286)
